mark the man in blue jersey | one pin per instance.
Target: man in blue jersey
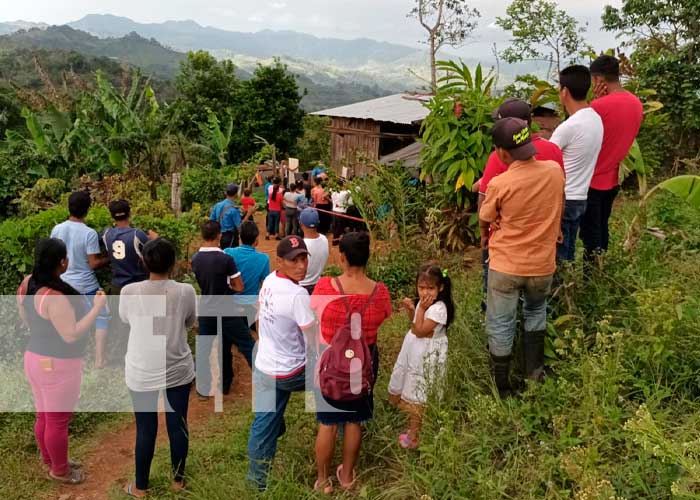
(228, 215)
(123, 244)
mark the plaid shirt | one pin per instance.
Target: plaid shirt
(332, 312)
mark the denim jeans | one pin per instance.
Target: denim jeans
(273, 222)
(234, 331)
(502, 309)
(292, 217)
(573, 213)
(271, 398)
(594, 224)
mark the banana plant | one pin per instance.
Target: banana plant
(686, 187)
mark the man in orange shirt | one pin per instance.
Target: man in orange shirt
(524, 206)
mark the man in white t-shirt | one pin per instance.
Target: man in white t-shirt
(280, 363)
(580, 139)
(317, 244)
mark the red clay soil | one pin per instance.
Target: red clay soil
(112, 460)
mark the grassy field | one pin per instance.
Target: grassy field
(618, 417)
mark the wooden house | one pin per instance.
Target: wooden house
(369, 130)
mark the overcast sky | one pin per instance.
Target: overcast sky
(378, 19)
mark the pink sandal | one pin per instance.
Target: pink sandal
(325, 486)
(345, 486)
(406, 443)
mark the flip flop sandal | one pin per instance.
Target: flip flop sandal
(129, 491)
(406, 443)
(75, 476)
(71, 463)
(325, 486)
(346, 486)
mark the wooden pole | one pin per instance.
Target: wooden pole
(176, 193)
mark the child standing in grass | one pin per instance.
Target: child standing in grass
(424, 351)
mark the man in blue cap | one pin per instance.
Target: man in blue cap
(228, 215)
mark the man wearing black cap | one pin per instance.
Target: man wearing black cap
(280, 363)
(228, 215)
(622, 113)
(524, 206)
(123, 244)
(545, 150)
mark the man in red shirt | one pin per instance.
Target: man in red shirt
(622, 113)
(546, 151)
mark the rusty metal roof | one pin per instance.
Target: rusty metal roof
(398, 108)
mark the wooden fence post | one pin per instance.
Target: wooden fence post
(176, 193)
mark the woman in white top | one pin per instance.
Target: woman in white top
(289, 200)
(158, 359)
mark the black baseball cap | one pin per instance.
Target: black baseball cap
(513, 108)
(119, 209)
(513, 135)
(291, 247)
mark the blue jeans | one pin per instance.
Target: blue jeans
(273, 222)
(502, 309)
(573, 213)
(271, 398)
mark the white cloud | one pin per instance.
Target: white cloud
(278, 5)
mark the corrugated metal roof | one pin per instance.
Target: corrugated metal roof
(409, 156)
(398, 108)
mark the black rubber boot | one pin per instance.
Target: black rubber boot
(500, 368)
(533, 349)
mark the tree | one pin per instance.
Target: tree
(447, 22)
(204, 85)
(268, 107)
(541, 32)
(315, 145)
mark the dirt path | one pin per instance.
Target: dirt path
(112, 459)
(111, 462)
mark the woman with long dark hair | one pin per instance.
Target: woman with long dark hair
(274, 209)
(53, 359)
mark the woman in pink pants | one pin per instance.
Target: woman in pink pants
(53, 359)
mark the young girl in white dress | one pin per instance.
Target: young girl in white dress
(423, 355)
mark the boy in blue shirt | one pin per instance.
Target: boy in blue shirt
(84, 257)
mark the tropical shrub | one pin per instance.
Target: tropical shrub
(44, 194)
(456, 133)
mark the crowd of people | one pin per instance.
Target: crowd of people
(299, 330)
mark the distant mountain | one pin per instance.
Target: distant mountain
(149, 55)
(62, 48)
(188, 35)
(11, 27)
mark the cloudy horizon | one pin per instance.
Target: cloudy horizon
(383, 20)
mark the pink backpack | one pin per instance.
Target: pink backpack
(345, 367)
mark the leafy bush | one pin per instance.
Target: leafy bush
(206, 185)
(396, 269)
(44, 194)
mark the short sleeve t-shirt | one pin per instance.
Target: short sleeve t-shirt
(341, 200)
(527, 202)
(158, 314)
(254, 267)
(580, 138)
(318, 256)
(546, 151)
(124, 245)
(622, 114)
(247, 202)
(274, 201)
(80, 241)
(437, 313)
(227, 214)
(214, 270)
(284, 314)
(290, 199)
